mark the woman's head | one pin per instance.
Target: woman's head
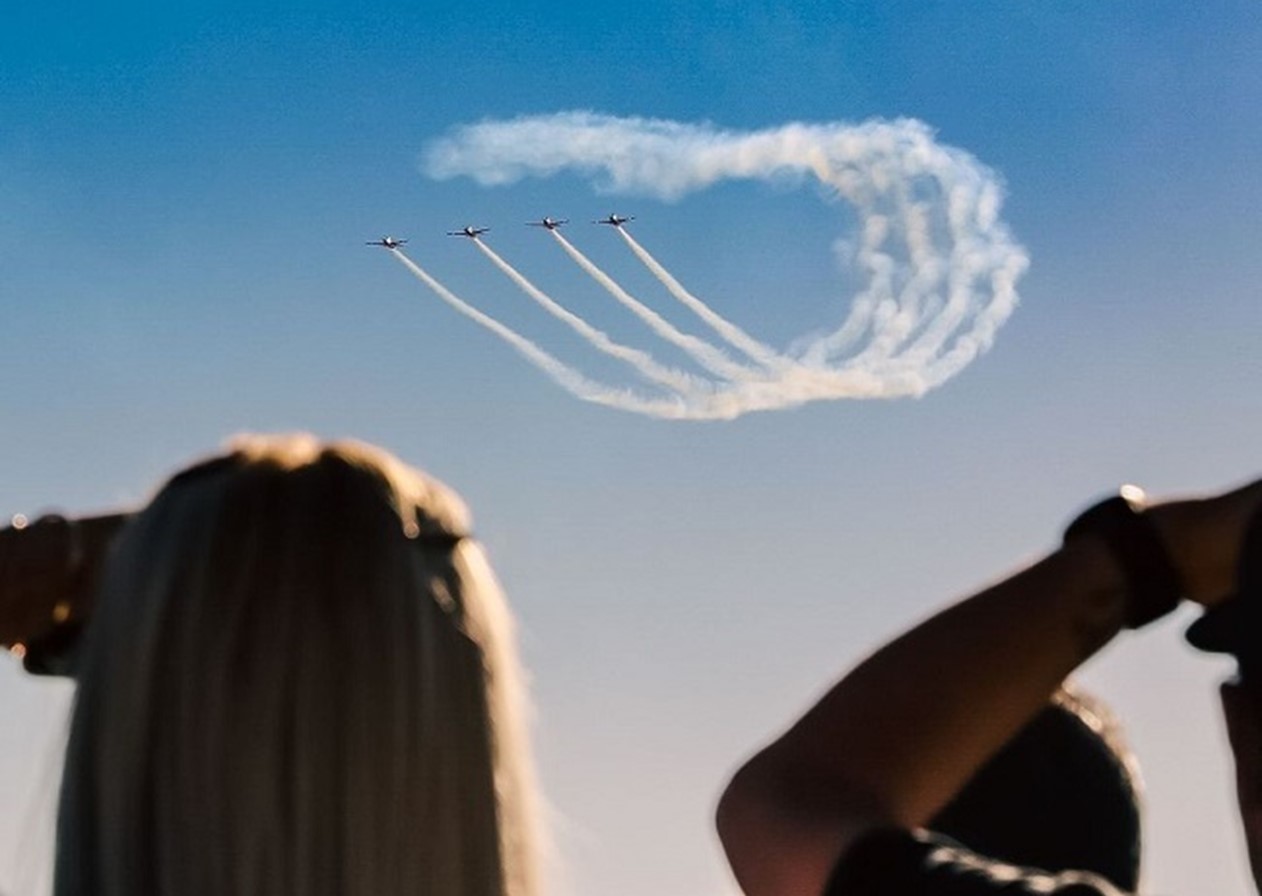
(299, 679)
(1063, 794)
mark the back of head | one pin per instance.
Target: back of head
(299, 680)
(1062, 795)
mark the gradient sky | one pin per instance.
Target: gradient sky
(184, 194)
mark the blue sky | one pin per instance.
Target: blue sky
(184, 194)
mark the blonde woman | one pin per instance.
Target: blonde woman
(298, 678)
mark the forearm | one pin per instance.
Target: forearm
(911, 724)
(899, 736)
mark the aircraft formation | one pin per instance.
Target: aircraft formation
(471, 232)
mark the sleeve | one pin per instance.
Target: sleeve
(919, 863)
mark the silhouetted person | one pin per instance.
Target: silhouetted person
(297, 679)
(855, 798)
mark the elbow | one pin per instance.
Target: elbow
(752, 799)
(734, 809)
(746, 820)
(781, 832)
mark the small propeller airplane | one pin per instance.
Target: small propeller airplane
(386, 242)
(550, 223)
(615, 220)
(471, 232)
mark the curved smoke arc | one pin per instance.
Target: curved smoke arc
(939, 264)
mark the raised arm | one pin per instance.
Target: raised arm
(901, 734)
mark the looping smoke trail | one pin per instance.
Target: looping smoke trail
(939, 263)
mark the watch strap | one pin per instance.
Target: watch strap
(1153, 586)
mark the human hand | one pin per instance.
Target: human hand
(1203, 537)
(47, 572)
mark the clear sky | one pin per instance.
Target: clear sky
(185, 190)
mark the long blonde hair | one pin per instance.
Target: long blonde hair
(300, 681)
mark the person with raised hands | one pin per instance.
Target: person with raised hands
(859, 795)
(296, 677)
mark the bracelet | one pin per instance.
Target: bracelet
(1153, 586)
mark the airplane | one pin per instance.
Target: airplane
(471, 232)
(386, 242)
(615, 220)
(550, 223)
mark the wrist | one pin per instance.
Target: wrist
(1093, 573)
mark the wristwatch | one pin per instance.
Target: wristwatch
(1153, 587)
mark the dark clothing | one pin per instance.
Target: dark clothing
(905, 863)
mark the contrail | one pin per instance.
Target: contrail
(563, 375)
(732, 334)
(643, 362)
(938, 265)
(699, 350)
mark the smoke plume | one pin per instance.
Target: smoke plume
(939, 266)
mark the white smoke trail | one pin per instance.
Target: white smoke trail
(939, 263)
(796, 386)
(732, 334)
(563, 375)
(699, 350)
(642, 362)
